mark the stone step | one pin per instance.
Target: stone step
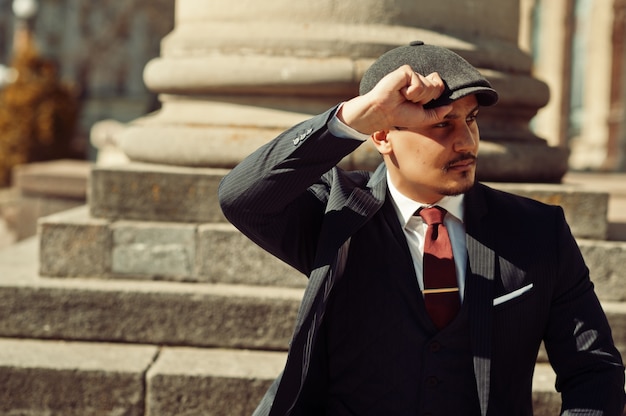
(74, 244)
(606, 260)
(45, 188)
(586, 210)
(150, 192)
(72, 379)
(546, 401)
(152, 312)
(159, 312)
(612, 183)
(103, 379)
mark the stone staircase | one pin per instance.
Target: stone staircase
(146, 302)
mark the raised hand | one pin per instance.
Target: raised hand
(396, 101)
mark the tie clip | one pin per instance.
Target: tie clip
(442, 290)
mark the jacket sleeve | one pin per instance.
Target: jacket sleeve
(277, 195)
(590, 373)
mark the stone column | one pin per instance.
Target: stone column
(594, 26)
(551, 45)
(233, 75)
(616, 151)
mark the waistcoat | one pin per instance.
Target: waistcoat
(379, 353)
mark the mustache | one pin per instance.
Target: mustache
(462, 157)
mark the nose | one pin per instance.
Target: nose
(466, 140)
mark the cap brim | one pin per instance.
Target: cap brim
(486, 96)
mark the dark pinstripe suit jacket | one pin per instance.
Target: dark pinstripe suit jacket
(527, 280)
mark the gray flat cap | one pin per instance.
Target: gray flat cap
(460, 77)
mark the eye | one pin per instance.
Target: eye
(472, 117)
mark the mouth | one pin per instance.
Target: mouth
(462, 163)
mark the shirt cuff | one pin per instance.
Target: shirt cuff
(339, 129)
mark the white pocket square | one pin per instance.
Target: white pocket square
(512, 295)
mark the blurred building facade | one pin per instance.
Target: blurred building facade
(577, 46)
(579, 50)
(101, 49)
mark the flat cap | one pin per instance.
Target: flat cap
(459, 76)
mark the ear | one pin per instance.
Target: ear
(381, 141)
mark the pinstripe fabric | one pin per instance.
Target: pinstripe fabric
(479, 293)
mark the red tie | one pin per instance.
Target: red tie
(441, 292)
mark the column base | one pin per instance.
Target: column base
(514, 161)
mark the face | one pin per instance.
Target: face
(432, 160)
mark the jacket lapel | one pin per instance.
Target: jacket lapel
(345, 214)
(480, 289)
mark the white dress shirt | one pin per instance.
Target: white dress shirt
(413, 226)
(414, 229)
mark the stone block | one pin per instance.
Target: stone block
(46, 188)
(154, 250)
(187, 381)
(606, 260)
(9, 216)
(31, 208)
(516, 160)
(57, 178)
(546, 400)
(149, 192)
(227, 256)
(586, 211)
(72, 379)
(73, 244)
(146, 312)
(616, 315)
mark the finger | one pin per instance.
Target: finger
(434, 86)
(416, 89)
(423, 89)
(435, 79)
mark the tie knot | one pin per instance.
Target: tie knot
(432, 215)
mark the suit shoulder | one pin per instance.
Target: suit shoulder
(507, 201)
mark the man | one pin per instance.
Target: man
(374, 334)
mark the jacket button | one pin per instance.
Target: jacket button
(435, 346)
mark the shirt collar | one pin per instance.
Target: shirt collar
(406, 207)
